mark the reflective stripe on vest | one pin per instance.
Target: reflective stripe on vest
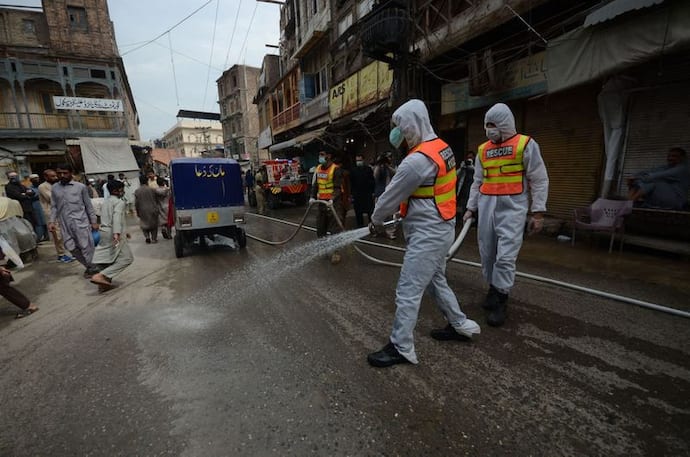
(502, 166)
(324, 181)
(443, 189)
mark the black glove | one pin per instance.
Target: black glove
(376, 229)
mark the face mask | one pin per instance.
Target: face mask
(322, 160)
(494, 134)
(396, 137)
(360, 163)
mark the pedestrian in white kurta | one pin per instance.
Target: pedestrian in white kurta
(429, 228)
(112, 253)
(499, 195)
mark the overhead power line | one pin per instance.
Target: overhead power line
(232, 36)
(169, 29)
(249, 28)
(187, 56)
(210, 59)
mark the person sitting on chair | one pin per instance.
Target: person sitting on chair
(664, 187)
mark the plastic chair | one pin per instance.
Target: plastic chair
(603, 216)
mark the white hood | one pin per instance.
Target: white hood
(413, 119)
(503, 118)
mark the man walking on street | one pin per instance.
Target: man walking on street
(44, 196)
(507, 166)
(129, 193)
(25, 196)
(113, 252)
(425, 183)
(259, 192)
(146, 202)
(328, 185)
(71, 207)
(362, 180)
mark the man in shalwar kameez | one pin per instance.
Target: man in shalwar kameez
(113, 252)
(71, 207)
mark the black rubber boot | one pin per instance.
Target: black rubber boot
(496, 307)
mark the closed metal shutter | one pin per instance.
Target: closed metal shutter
(658, 120)
(569, 133)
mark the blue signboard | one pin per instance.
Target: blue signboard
(206, 183)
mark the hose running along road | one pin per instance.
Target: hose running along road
(454, 248)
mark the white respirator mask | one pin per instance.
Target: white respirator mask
(493, 134)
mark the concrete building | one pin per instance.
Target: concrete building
(269, 76)
(238, 114)
(63, 87)
(194, 134)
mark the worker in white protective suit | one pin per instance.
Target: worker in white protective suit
(425, 183)
(506, 167)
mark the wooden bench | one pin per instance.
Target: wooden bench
(664, 230)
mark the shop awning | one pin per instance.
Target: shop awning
(586, 54)
(297, 141)
(616, 8)
(107, 155)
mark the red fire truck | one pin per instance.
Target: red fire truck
(284, 183)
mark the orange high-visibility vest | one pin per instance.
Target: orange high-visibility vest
(443, 189)
(502, 166)
(324, 181)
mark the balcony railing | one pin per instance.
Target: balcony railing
(286, 117)
(315, 107)
(39, 122)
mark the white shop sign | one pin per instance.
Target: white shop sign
(88, 104)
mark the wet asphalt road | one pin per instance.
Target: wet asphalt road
(228, 352)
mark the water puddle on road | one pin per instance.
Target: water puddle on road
(262, 272)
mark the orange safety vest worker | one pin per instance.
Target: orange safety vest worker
(443, 189)
(502, 166)
(324, 181)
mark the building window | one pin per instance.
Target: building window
(77, 18)
(47, 100)
(345, 23)
(363, 7)
(29, 26)
(100, 74)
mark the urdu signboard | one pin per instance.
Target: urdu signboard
(519, 79)
(88, 104)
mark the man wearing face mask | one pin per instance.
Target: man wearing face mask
(425, 183)
(362, 180)
(329, 185)
(505, 168)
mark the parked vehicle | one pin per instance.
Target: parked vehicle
(208, 200)
(285, 183)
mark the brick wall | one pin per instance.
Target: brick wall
(80, 27)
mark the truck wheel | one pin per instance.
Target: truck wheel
(241, 238)
(179, 245)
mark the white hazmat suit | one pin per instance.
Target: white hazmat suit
(428, 236)
(501, 218)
